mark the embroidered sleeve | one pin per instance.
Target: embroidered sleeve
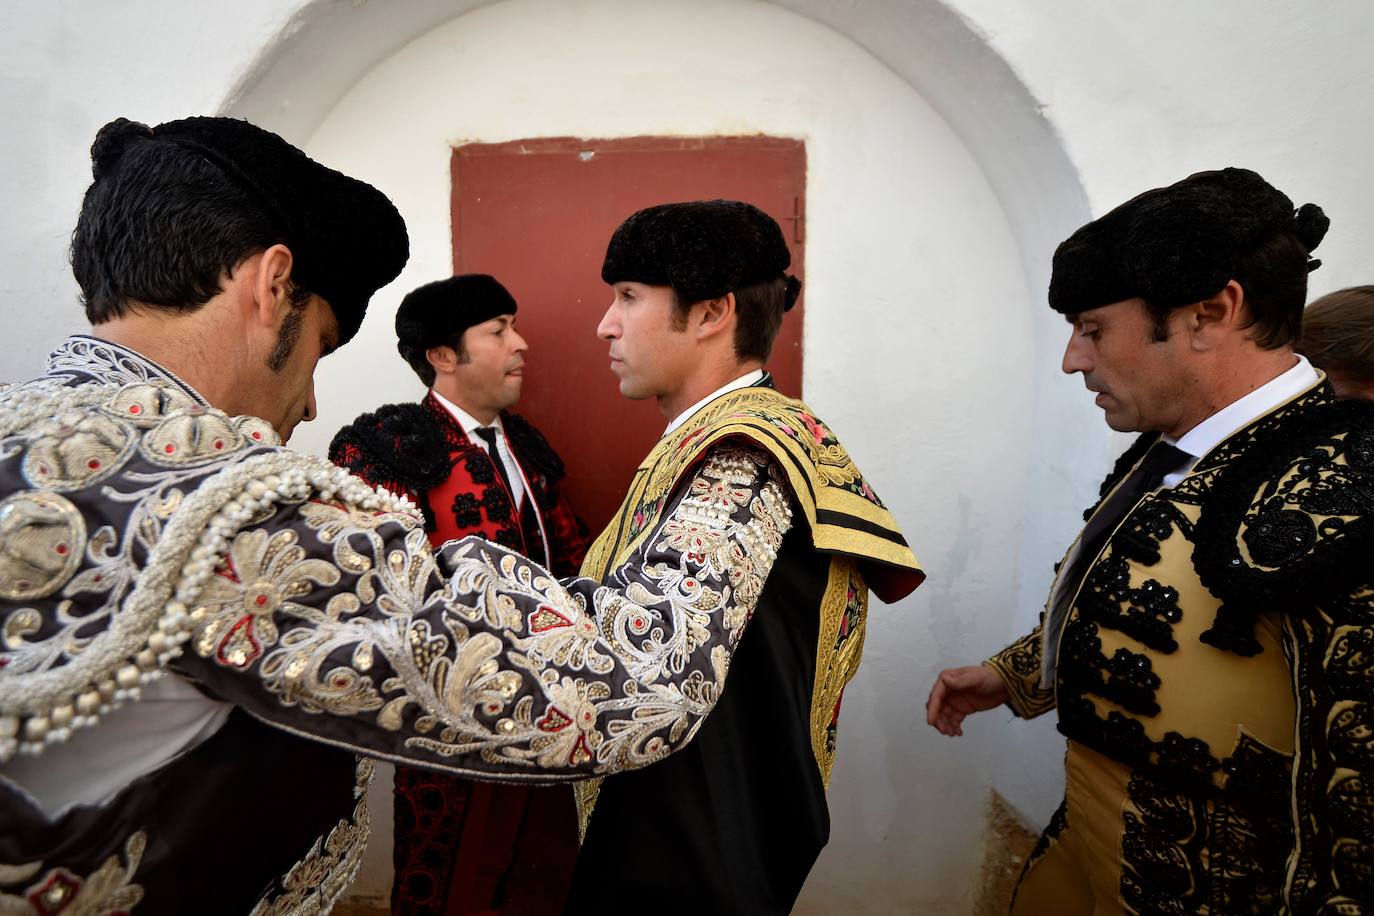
(340, 623)
(1019, 667)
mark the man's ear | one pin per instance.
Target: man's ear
(1218, 315)
(716, 316)
(271, 284)
(443, 358)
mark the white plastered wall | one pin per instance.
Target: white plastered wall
(1131, 94)
(915, 299)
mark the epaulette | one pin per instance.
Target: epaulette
(1289, 523)
(402, 442)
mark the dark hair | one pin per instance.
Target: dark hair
(758, 316)
(415, 356)
(1274, 277)
(290, 330)
(161, 225)
(1338, 333)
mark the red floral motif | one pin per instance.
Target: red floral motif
(545, 618)
(554, 720)
(251, 583)
(691, 437)
(55, 894)
(815, 427)
(581, 751)
(227, 570)
(240, 647)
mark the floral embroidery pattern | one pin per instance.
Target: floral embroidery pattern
(316, 882)
(315, 603)
(259, 574)
(501, 668)
(107, 891)
(1019, 667)
(89, 617)
(75, 450)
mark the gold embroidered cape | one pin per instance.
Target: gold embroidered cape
(847, 521)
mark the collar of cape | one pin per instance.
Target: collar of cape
(83, 358)
(843, 513)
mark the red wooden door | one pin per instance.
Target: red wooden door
(538, 214)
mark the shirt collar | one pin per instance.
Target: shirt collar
(465, 419)
(83, 355)
(744, 381)
(1202, 438)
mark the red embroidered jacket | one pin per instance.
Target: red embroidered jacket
(420, 451)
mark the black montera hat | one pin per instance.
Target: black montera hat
(1177, 245)
(703, 249)
(437, 313)
(345, 236)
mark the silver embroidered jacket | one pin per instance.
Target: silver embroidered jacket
(144, 534)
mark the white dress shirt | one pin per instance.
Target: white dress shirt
(470, 423)
(1240, 413)
(744, 381)
(95, 763)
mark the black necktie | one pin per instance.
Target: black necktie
(488, 435)
(1159, 460)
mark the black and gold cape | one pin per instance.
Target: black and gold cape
(733, 822)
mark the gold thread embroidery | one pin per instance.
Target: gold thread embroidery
(42, 539)
(316, 882)
(844, 623)
(76, 450)
(109, 889)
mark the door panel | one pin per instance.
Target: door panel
(538, 214)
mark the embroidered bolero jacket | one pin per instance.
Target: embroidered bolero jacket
(145, 535)
(1221, 642)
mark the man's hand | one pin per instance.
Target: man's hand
(961, 691)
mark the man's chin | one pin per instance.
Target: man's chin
(1121, 424)
(631, 391)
